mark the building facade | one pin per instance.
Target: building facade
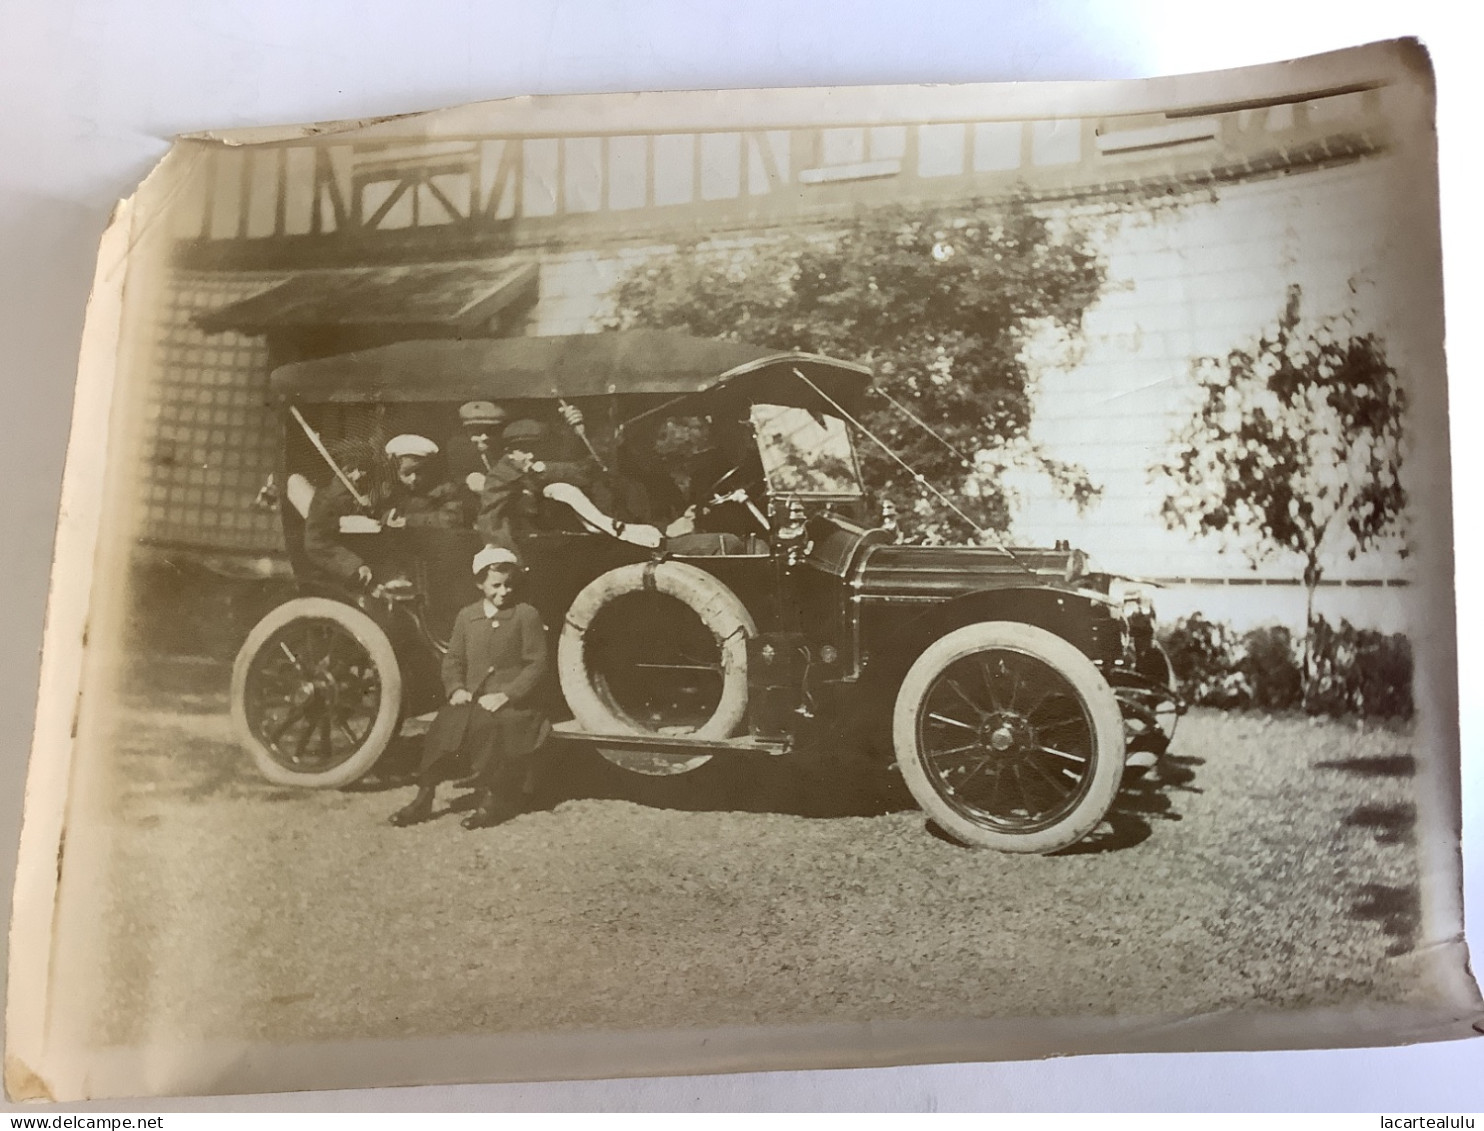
(1205, 216)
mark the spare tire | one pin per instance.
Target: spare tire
(656, 648)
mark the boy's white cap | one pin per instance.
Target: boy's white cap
(491, 556)
(418, 447)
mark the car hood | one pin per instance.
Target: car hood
(947, 571)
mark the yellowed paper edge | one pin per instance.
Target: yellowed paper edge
(43, 830)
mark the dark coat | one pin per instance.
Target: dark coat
(507, 506)
(512, 506)
(442, 506)
(324, 545)
(506, 655)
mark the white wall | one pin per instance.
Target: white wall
(1199, 281)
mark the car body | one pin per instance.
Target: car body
(1008, 684)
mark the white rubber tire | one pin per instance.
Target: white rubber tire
(1105, 773)
(718, 608)
(370, 636)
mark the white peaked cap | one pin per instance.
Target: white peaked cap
(407, 444)
(491, 556)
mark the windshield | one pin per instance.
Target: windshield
(805, 453)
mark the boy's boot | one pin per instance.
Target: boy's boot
(418, 810)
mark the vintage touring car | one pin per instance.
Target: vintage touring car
(1009, 684)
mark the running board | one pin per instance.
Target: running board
(673, 743)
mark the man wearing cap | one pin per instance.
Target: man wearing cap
(493, 668)
(420, 497)
(482, 423)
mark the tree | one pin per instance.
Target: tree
(1297, 438)
(941, 303)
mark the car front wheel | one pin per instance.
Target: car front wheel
(1009, 738)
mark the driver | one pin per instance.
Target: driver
(682, 480)
(527, 490)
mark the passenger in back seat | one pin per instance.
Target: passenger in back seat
(324, 544)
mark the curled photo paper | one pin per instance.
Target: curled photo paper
(670, 583)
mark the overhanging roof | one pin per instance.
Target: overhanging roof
(654, 362)
(457, 295)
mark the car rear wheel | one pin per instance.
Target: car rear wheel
(316, 693)
(1009, 738)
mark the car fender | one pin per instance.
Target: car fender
(892, 638)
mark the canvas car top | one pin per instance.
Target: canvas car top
(653, 362)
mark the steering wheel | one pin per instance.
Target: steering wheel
(717, 488)
(727, 484)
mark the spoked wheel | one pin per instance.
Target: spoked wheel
(316, 693)
(1009, 738)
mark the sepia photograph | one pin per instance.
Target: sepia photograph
(606, 585)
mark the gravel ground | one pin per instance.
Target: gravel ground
(1270, 864)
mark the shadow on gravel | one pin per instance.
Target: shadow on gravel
(1122, 829)
(155, 762)
(799, 784)
(1177, 772)
(839, 783)
(1397, 909)
(1118, 831)
(1142, 801)
(186, 685)
(1392, 766)
(1390, 824)
(393, 770)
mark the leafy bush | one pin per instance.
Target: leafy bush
(1203, 654)
(1269, 661)
(1359, 671)
(1354, 671)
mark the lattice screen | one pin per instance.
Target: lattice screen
(212, 439)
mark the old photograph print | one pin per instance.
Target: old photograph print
(759, 581)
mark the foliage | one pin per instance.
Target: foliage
(1296, 438)
(1270, 667)
(942, 304)
(1359, 672)
(1203, 653)
(181, 609)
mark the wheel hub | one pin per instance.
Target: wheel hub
(1002, 732)
(1001, 738)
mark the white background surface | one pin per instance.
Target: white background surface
(91, 91)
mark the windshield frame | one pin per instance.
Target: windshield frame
(854, 491)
